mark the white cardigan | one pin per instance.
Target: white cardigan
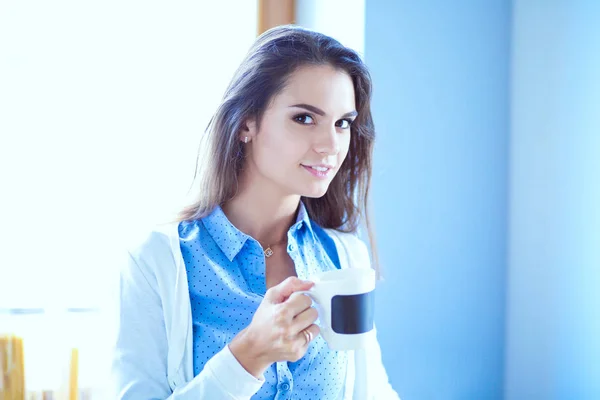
(154, 346)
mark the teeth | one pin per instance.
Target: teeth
(321, 169)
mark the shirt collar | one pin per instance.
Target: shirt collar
(231, 240)
(302, 219)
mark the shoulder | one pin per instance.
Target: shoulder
(156, 247)
(347, 238)
(353, 245)
(159, 238)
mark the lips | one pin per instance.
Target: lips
(321, 167)
(320, 171)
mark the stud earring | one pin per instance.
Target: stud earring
(245, 139)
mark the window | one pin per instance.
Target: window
(101, 110)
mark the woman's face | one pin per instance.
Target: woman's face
(305, 132)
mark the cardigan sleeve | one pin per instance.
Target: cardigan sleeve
(370, 377)
(139, 366)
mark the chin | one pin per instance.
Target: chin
(315, 192)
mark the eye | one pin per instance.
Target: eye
(304, 119)
(344, 123)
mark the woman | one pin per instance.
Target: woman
(206, 310)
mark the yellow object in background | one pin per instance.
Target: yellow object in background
(12, 368)
(73, 375)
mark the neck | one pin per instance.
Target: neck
(262, 211)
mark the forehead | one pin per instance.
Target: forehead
(322, 86)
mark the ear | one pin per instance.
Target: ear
(248, 130)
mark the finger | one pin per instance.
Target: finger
(309, 334)
(305, 319)
(280, 293)
(297, 303)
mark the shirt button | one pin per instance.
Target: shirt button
(285, 386)
(291, 247)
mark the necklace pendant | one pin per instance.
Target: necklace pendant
(268, 252)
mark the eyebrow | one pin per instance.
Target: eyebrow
(322, 113)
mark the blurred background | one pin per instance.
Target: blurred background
(486, 189)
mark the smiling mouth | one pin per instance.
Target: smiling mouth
(317, 171)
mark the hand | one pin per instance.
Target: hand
(276, 331)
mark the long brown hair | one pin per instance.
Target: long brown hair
(275, 55)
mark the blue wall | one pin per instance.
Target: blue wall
(553, 324)
(441, 108)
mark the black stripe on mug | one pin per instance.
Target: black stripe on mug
(351, 314)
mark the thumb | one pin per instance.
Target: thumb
(280, 293)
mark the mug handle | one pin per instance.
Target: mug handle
(311, 293)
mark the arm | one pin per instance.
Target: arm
(367, 362)
(379, 385)
(382, 389)
(139, 368)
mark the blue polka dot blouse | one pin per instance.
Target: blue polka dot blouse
(226, 276)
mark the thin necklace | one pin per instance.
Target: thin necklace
(268, 251)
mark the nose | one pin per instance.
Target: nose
(328, 141)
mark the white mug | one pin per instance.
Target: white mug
(345, 302)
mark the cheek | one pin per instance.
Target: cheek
(275, 160)
(277, 151)
(344, 148)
